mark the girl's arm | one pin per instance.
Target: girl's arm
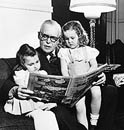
(101, 77)
(93, 65)
(64, 67)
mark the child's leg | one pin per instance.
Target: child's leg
(81, 112)
(95, 104)
(44, 120)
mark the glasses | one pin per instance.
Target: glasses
(44, 37)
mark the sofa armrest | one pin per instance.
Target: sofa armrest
(6, 66)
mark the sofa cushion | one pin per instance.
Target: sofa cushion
(6, 66)
(12, 122)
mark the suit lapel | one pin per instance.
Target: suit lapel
(44, 61)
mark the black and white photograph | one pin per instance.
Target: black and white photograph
(61, 64)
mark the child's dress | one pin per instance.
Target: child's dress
(16, 106)
(78, 63)
(78, 59)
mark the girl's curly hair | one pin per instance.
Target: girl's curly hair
(76, 25)
(24, 50)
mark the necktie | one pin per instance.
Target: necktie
(52, 57)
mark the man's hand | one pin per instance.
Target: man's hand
(23, 93)
(101, 80)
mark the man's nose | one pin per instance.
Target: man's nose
(48, 40)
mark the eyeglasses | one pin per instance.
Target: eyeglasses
(44, 37)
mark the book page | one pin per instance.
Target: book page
(48, 88)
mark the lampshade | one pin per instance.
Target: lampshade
(92, 8)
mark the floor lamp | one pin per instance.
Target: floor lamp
(92, 10)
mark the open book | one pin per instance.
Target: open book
(62, 89)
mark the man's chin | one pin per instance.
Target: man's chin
(47, 50)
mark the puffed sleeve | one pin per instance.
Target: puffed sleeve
(63, 54)
(21, 77)
(92, 53)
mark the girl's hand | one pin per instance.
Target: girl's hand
(101, 80)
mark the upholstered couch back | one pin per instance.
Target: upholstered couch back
(6, 66)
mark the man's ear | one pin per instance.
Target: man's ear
(38, 35)
(60, 40)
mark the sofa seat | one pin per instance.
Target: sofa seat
(12, 122)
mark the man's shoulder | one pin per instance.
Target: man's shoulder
(38, 49)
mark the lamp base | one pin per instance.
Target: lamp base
(92, 32)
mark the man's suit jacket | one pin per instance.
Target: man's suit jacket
(53, 67)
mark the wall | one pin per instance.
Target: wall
(20, 20)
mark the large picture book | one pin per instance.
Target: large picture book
(62, 89)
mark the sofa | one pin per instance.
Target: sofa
(12, 122)
(8, 121)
